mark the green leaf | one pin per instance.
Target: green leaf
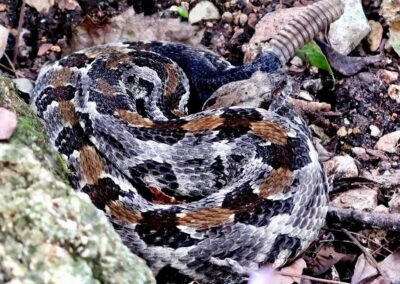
(312, 54)
(181, 12)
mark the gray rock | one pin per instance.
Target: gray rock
(203, 10)
(48, 232)
(348, 31)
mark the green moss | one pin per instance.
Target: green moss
(30, 130)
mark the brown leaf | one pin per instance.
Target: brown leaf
(286, 275)
(326, 258)
(8, 123)
(366, 273)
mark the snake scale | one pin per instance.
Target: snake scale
(203, 173)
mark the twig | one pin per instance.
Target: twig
(310, 278)
(6, 68)
(372, 241)
(367, 254)
(366, 220)
(12, 66)
(20, 23)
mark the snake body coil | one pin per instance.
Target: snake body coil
(204, 194)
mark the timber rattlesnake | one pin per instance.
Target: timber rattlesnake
(206, 194)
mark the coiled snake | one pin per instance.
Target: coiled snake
(202, 167)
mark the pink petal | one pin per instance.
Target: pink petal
(8, 123)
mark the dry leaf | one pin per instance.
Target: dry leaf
(365, 273)
(326, 258)
(267, 275)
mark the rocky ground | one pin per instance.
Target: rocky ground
(352, 107)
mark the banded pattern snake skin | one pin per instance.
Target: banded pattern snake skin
(204, 174)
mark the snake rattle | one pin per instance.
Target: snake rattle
(204, 171)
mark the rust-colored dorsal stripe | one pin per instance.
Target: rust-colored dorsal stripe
(60, 77)
(133, 118)
(276, 182)
(203, 123)
(206, 218)
(91, 164)
(123, 214)
(159, 197)
(67, 112)
(269, 131)
(105, 88)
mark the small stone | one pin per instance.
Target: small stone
(341, 167)
(252, 21)
(359, 152)
(381, 209)
(243, 19)
(342, 131)
(375, 131)
(377, 153)
(296, 61)
(358, 199)
(312, 85)
(203, 10)
(3, 39)
(394, 203)
(348, 31)
(55, 48)
(394, 92)
(305, 96)
(375, 36)
(23, 85)
(388, 76)
(42, 6)
(388, 142)
(227, 17)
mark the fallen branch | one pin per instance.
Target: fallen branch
(366, 220)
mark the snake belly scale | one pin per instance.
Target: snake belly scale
(201, 190)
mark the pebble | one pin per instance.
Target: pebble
(375, 36)
(359, 199)
(394, 203)
(359, 151)
(296, 61)
(3, 39)
(342, 131)
(23, 85)
(394, 92)
(341, 167)
(305, 96)
(388, 142)
(375, 131)
(203, 10)
(388, 76)
(243, 19)
(312, 85)
(227, 17)
(252, 21)
(349, 30)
